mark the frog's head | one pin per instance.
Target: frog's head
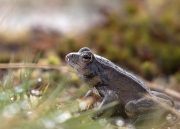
(80, 60)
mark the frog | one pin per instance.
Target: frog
(114, 84)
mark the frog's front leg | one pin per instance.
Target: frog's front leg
(89, 93)
(108, 97)
(90, 99)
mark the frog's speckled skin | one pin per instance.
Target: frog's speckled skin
(115, 84)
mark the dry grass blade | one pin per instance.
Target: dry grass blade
(32, 65)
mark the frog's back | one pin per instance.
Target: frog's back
(122, 73)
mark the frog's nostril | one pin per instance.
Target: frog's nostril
(67, 58)
(70, 57)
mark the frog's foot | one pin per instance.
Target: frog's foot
(163, 97)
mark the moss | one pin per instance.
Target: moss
(177, 76)
(4, 58)
(168, 58)
(131, 8)
(148, 70)
(53, 60)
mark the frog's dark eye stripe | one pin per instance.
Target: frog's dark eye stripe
(86, 58)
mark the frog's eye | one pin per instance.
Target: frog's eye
(86, 58)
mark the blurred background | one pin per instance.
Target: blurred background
(141, 36)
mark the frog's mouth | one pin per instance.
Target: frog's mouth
(70, 62)
(71, 65)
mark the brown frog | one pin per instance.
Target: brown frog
(113, 83)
